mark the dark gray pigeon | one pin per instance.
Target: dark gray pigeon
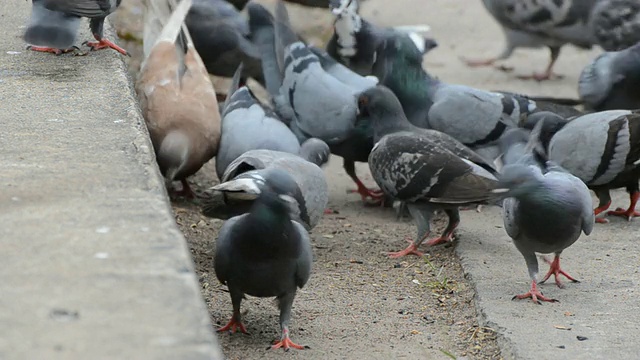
(602, 149)
(355, 40)
(248, 125)
(265, 254)
(426, 169)
(616, 23)
(240, 183)
(476, 118)
(534, 193)
(612, 81)
(222, 37)
(53, 25)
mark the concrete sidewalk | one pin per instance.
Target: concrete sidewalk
(597, 318)
(92, 265)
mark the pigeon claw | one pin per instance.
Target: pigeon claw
(478, 63)
(233, 326)
(535, 295)
(412, 249)
(185, 192)
(376, 196)
(556, 271)
(105, 43)
(599, 210)
(51, 50)
(547, 75)
(628, 213)
(440, 240)
(287, 344)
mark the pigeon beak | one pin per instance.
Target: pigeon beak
(246, 186)
(500, 190)
(636, 162)
(287, 198)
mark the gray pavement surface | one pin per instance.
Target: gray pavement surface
(92, 265)
(601, 308)
(604, 306)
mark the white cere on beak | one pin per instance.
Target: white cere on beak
(237, 185)
(287, 198)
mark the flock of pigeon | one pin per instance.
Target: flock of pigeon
(430, 145)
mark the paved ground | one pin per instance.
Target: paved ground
(89, 209)
(92, 263)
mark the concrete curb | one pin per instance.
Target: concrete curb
(93, 264)
(594, 318)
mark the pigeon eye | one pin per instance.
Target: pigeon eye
(363, 101)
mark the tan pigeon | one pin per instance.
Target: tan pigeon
(177, 97)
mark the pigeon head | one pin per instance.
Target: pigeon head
(516, 180)
(430, 44)
(378, 100)
(344, 7)
(381, 107)
(278, 192)
(401, 48)
(259, 16)
(315, 151)
(551, 124)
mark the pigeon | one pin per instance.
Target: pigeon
(616, 24)
(311, 101)
(248, 125)
(313, 67)
(545, 208)
(612, 81)
(426, 169)
(533, 23)
(240, 183)
(358, 145)
(54, 24)
(602, 149)
(355, 40)
(264, 253)
(222, 37)
(475, 117)
(176, 96)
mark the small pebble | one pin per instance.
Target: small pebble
(581, 338)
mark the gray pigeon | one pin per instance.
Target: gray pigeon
(53, 25)
(612, 24)
(533, 24)
(356, 143)
(426, 169)
(222, 37)
(248, 125)
(602, 149)
(313, 102)
(616, 23)
(545, 208)
(612, 81)
(355, 40)
(240, 183)
(265, 254)
(475, 117)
